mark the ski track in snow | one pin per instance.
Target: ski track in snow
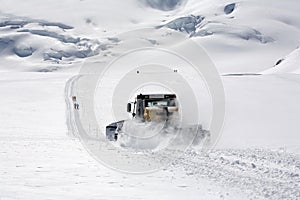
(257, 173)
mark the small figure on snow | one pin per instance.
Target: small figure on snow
(76, 105)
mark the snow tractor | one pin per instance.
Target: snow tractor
(146, 108)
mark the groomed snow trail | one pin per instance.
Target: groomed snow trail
(254, 173)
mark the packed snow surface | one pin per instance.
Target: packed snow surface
(254, 45)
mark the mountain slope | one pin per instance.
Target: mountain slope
(253, 34)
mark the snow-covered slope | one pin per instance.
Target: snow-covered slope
(44, 43)
(288, 64)
(256, 33)
(253, 34)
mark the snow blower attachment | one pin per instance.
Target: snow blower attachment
(146, 108)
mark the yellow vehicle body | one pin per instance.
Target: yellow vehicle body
(158, 114)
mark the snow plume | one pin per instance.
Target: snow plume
(148, 135)
(156, 136)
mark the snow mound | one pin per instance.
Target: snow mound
(289, 64)
(23, 51)
(164, 5)
(185, 24)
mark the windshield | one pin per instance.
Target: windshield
(161, 102)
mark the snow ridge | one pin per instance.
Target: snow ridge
(44, 41)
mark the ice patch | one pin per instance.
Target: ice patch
(5, 43)
(60, 25)
(228, 9)
(242, 32)
(62, 38)
(13, 24)
(185, 24)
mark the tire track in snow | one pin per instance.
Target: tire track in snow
(259, 173)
